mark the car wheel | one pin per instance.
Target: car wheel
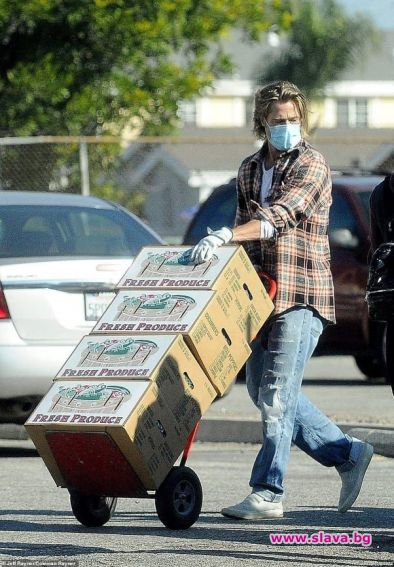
(372, 367)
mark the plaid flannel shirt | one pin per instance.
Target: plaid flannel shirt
(298, 257)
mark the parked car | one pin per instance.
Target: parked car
(61, 256)
(354, 334)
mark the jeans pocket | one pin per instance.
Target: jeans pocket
(315, 333)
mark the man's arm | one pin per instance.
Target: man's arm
(244, 228)
(305, 190)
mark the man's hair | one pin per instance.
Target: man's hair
(279, 91)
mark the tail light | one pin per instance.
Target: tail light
(4, 313)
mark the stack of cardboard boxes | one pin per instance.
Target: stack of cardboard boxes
(175, 336)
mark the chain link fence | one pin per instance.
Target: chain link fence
(162, 179)
(56, 163)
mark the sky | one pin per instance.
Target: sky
(381, 11)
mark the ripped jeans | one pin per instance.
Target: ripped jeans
(274, 374)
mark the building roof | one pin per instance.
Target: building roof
(213, 149)
(223, 149)
(378, 65)
(349, 148)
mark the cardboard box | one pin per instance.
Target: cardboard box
(163, 359)
(122, 407)
(139, 423)
(214, 338)
(242, 295)
(137, 402)
(151, 439)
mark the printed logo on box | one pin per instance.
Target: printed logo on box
(103, 398)
(163, 267)
(88, 403)
(113, 352)
(163, 306)
(174, 263)
(112, 357)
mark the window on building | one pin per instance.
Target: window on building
(187, 111)
(352, 112)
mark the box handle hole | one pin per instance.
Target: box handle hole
(226, 336)
(248, 292)
(161, 428)
(188, 380)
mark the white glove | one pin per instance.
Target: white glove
(266, 230)
(203, 251)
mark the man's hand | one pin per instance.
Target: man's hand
(203, 251)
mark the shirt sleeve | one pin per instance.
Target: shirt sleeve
(241, 215)
(306, 188)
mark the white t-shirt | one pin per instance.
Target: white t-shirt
(266, 184)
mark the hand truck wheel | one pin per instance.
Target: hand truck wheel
(91, 510)
(179, 499)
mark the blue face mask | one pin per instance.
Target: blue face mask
(284, 136)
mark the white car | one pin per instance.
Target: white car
(61, 256)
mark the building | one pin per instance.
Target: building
(353, 126)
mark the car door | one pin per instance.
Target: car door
(349, 247)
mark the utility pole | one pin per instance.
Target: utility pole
(84, 165)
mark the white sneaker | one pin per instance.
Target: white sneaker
(254, 507)
(353, 478)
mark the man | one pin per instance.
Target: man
(284, 195)
(382, 230)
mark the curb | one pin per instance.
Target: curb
(13, 431)
(249, 431)
(382, 440)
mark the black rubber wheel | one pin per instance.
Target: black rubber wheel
(179, 499)
(370, 366)
(373, 365)
(90, 510)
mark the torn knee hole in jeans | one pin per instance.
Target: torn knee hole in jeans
(269, 398)
(277, 342)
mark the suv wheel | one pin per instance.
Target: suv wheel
(372, 367)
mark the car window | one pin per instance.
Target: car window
(341, 214)
(364, 197)
(217, 211)
(220, 208)
(30, 231)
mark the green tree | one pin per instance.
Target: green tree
(321, 43)
(93, 66)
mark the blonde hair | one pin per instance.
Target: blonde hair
(279, 91)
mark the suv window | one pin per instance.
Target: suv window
(364, 197)
(341, 214)
(217, 211)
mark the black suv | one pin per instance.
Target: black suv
(354, 334)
